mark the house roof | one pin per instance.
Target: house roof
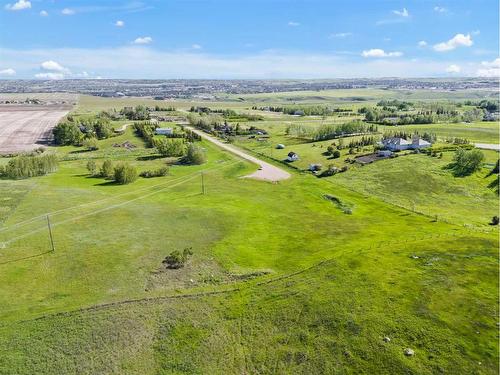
(422, 142)
(396, 141)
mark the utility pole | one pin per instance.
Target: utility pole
(202, 184)
(50, 233)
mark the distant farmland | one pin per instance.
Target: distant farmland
(25, 127)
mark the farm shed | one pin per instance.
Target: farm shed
(164, 131)
(292, 156)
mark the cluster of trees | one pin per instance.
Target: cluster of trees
(75, 131)
(363, 141)
(25, 166)
(157, 108)
(457, 141)
(397, 104)
(326, 132)
(99, 128)
(299, 131)
(160, 172)
(334, 153)
(67, 133)
(228, 114)
(139, 112)
(194, 155)
(488, 105)
(121, 173)
(146, 130)
(331, 131)
(389, 116)
(312, 110)
(205, 122)
(466, 162)
(390, 113)
(170, 146)
(332, 170)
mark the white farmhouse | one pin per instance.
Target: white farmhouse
(400, 144)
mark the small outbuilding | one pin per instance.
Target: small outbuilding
(315, 167)
(164, 131)
(292, 156)
(384, 153)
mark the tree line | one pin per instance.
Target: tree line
(331, 131)
(25, 166)
(312, 110)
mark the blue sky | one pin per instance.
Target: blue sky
(54, 39)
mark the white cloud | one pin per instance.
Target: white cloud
(196, 46)
(402, 13)
(377, 52)
(44, 13)
(453, 68)
(293, 23)
(459, 40)
(340, 35)
(20, 5)
(68, 12)
(83, 74)
(53, 66)
(119, 23)
(489, 69)
(422, 43)
(52, 76)
(143, 40)
(122, 62)
(8, 72)
(440, 9)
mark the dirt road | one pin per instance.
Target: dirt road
(266, 171)
(488, 146)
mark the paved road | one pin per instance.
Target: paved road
(266, 171)
(488, 146)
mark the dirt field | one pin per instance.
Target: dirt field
(25, 127)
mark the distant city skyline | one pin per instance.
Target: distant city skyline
(273, 39)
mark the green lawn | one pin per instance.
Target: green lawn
(423, 184)
(281, 280)
(479, 132)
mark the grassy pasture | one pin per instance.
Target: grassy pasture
(281, 280)
(478, 132)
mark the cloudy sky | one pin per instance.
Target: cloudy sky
(56, 39)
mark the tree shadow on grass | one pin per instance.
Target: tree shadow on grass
(84, 151)
(108, 183)
(149, 157)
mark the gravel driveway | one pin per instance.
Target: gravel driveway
(266, 170)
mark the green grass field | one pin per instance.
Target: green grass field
(282, 281)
